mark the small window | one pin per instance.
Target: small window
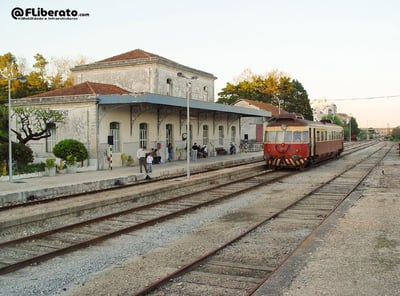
(143, 135)
(114, 132)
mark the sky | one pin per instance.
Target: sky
(346, 51)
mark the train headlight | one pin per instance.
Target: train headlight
(295, 157)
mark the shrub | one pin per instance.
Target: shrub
(70, 147)
(21, 154)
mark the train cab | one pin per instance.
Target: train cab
(291, 141)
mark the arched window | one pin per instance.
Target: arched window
(143, 135)
(169, 87)
(169, 133)
(221, 135)
(205, 93)
(233, 134)
(114, 132)
(205, 134)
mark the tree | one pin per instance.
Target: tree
(3, 124)
(333, 118)
(396, 133)
(37, 81)
(34, 122)
(274, 88)
(302, 104)
(355, 131)
(21, 154)
(10, 68)
(62, 76)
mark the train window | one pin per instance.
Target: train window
(270, 137)
(296, 137)
(288, 137)
(305, 137)
(318, 136)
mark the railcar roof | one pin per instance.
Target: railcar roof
(292, 119)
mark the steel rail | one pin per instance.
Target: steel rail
(44, 257)
(155, 285)
(98, 239)
(119, 185)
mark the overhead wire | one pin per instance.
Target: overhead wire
(367, 98)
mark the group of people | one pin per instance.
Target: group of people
(147, 159)
(198, 150)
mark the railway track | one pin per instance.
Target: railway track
(119, 185)
(242, 264)
(349, 149)
(33, 249)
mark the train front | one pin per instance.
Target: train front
(286, 145)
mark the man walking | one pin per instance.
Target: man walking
(141, 155)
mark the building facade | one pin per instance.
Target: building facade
(142, 72)
(138, 99)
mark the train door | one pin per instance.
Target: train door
(312, 142)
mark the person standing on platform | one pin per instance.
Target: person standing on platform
(149, 160)
(141, 155)
(170, 149)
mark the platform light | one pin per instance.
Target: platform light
(188, 95)
(10, 78)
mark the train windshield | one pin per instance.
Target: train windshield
(286, 136)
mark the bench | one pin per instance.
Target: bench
(221, 151)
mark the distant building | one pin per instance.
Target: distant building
(322, 107)
(252, 128)
(139, 71)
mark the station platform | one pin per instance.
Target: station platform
(84, 180)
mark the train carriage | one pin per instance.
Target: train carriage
(291, 141)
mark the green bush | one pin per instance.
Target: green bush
(70, 147)
(21, 154)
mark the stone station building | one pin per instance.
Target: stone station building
(138, 99)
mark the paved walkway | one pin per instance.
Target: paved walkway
(84, 180)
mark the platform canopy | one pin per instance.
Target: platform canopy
(148, 98)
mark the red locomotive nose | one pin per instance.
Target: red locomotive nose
(282, 148)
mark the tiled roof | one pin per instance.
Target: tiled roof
(265, 106)
(137, 57)
(131, 55)
(86, 88)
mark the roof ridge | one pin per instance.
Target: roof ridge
(84, 88)
(89, 85)
(131, 55)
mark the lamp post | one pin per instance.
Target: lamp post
(10, 78)
(279, 101)
(188, 95)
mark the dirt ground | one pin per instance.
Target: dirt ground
(358, 251)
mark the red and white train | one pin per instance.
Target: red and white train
(291, 141)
